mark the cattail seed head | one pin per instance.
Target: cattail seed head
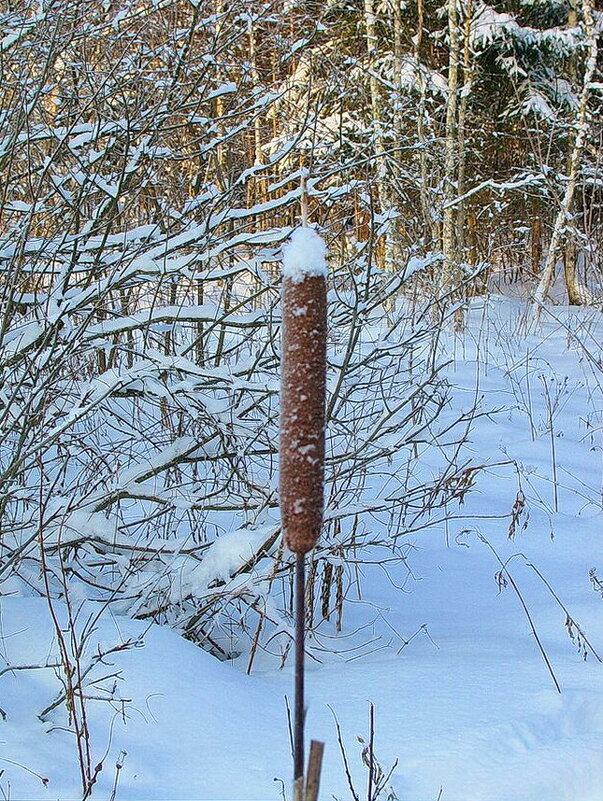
(303, 390)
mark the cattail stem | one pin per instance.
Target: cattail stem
(299, 712)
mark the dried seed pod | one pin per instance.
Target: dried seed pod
(303, 389)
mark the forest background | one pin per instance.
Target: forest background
(153, 158)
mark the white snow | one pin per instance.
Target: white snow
(414, 73)
(225, 556)
(304, 254)
(463, 698)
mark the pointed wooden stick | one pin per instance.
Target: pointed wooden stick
(314, 767)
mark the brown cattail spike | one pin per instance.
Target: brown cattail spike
(303, 389)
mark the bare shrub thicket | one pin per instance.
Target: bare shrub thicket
(147, 187)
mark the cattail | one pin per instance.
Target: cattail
(303, 386)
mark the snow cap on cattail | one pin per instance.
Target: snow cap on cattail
(303, 389)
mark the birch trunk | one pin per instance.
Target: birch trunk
(383, 193)
(581, 293)
(398, 63)
(451, 153)
(462, 119)
(258, 154)
(218, 111)
(431, 228)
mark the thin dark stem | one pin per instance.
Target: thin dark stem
(298, 748)
(346, 765)
(371, 751)
(567, 614)
(505, 570)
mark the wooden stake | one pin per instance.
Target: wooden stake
(314, 767)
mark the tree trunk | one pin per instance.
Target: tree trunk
(581, 293)
(430, 224)
(462, 119)
(449, 250)
(259, 182)
(384, 196)
(536, 245)
(570, 261)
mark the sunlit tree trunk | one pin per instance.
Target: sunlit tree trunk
(462, 120)
(536, 244)
(430, 226)
(259, 183)
(578, 294)
(449, 249)
(384, 195)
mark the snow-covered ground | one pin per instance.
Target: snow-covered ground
(467, 706)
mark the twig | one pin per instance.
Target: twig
(504, 569)
(346, 766)
(371, 752)
(562, 605)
